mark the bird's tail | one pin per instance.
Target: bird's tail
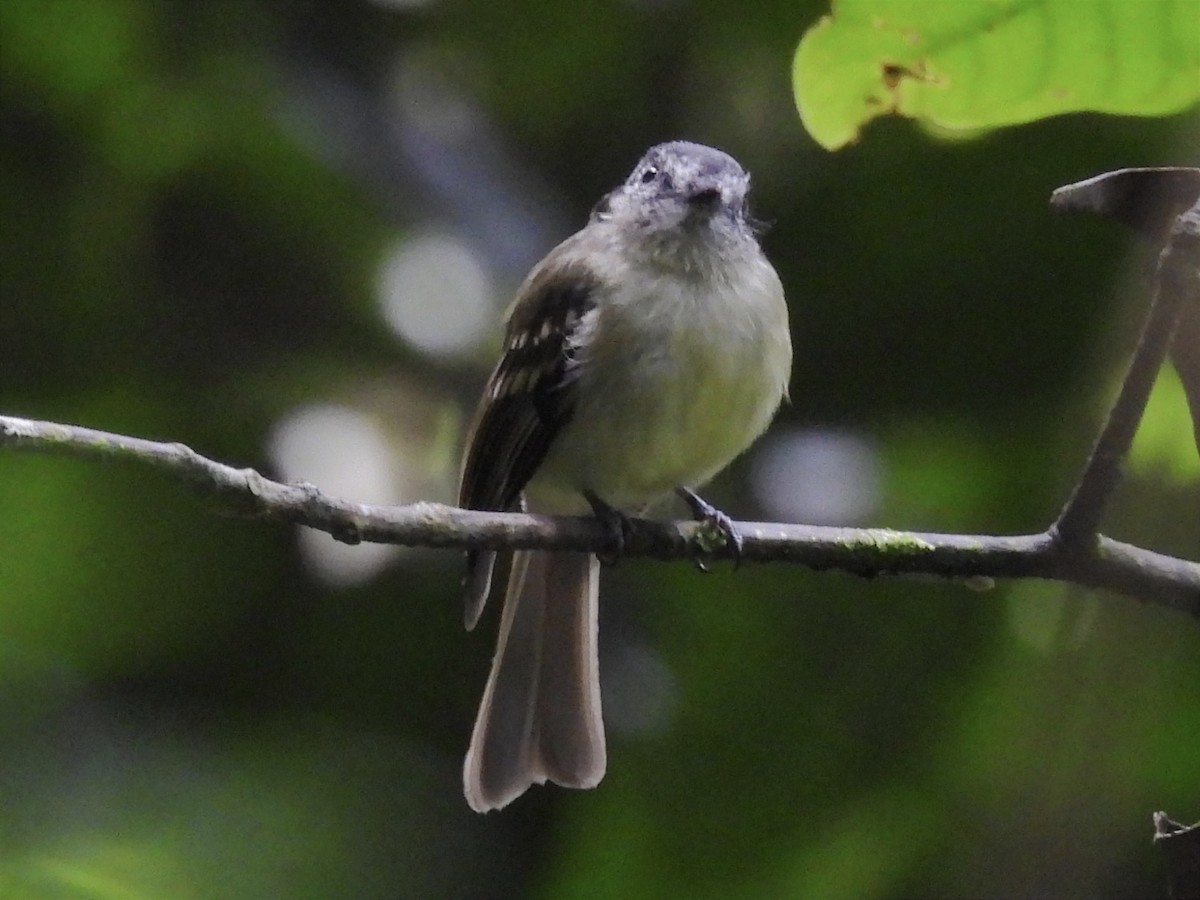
(540, 715)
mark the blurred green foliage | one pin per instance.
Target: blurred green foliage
(1161, 446)
(188, 249)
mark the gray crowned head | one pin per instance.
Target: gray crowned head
(682, 188)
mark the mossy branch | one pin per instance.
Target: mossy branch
(867, 552)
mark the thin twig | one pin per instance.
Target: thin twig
(1177, 283)
(867, 552)
(1180, 845)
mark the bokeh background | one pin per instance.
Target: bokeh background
(284, 233)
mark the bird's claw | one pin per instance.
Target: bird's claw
(618, 525)
(717, 521)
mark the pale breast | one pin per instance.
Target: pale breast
(672, 391)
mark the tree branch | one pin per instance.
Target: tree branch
(867, 552)
(1180, 845)
(1177, 284)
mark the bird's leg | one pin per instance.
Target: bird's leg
(618, 525)
(710, 515)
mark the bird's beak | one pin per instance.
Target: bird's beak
(705, 198)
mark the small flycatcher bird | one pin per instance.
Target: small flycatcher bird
(641, 355)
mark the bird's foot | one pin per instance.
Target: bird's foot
(618, 525)
(717, 522)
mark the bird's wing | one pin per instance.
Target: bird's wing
(531, 394)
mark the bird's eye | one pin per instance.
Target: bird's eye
(650, 174)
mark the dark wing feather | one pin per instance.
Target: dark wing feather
(531, 393)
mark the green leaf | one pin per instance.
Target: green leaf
(974, 65)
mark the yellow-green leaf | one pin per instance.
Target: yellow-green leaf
(976, 64)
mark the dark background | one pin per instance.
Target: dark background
(199, 203)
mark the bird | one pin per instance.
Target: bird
(641, 356)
